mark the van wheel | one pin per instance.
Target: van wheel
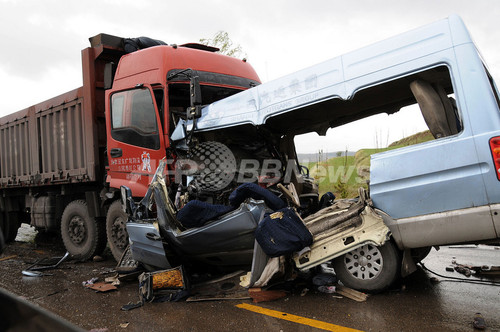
(82, 235)
(116, 229)
(369, 268)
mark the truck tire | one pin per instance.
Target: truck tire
(82, 235)
(2, 224)
(10, 225)
(116, 229)
(2, 242)
(369, 268)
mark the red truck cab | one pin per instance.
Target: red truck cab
(148, 96)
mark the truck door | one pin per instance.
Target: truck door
(135, 138)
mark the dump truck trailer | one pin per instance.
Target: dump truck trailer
(53, 154)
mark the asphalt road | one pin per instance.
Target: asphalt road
(421, 302)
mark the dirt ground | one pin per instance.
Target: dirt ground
(421, 302)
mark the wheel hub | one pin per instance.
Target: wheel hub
(364, 262)
(119, 233)
(77, 230)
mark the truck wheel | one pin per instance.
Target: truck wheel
(10, 225)
(2, 242)
(116, 229)
(2, 224)
(369, 268)
(82, 235)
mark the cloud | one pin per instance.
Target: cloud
(42, 40)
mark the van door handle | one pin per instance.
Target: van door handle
(153, 237)
(115, 153)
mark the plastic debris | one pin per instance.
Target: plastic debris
(479, 322)
(89, 282)
(327, 289)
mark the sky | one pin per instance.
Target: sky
(41, 43)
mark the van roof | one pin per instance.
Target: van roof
(340, 78)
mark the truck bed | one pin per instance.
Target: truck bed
(46, 143)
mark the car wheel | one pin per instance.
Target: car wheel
(369, 268)
(82, 235)
(116, 229)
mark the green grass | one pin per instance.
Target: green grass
(344, 175)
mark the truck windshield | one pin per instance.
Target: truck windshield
(179, 101)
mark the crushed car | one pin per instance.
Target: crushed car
(257, 225)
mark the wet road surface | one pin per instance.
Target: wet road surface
(421, 302)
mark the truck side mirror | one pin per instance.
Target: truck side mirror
(195, 91)
(194, 110)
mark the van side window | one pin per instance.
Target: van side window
(133, 118)
(493, 87)
(391, 115)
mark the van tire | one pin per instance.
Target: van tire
(116, 229)
(83, 236)
(369, 268)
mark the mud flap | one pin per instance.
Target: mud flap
(408, 266)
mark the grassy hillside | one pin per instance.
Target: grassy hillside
(344, 175)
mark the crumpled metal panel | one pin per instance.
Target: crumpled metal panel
(334, 243)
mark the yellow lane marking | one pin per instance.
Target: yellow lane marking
(296, 319)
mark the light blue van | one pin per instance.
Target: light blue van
(444, 191)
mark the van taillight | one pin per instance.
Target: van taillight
(495, 152)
